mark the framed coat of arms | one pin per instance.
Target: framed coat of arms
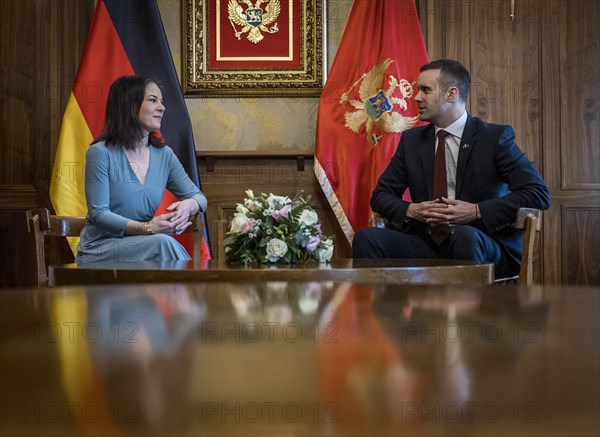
(257, 48)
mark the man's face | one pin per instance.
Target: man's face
(430, 98)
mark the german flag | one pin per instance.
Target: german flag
(125, 38)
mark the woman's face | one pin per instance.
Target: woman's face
(152, 109)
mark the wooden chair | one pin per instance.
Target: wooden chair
(42, 224)
(529, 220)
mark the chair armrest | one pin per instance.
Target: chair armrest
(65, 226)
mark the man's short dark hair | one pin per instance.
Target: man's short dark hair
(452, 73)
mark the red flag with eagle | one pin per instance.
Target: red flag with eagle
(125, 38)
(366, 104)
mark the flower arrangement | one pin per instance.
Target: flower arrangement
(276, 229)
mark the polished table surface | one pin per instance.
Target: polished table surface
(397, 271)
(299, 359)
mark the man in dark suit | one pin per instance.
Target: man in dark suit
(464, 198)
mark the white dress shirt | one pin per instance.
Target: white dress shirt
(452, 146)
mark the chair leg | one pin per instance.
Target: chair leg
(36, 235)
(198, 239)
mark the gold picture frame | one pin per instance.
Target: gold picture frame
(225, 56)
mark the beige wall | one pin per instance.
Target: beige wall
(269, 125)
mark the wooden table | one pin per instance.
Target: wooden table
(397, 271)
(307, 359)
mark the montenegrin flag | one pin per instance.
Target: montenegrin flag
(125, 38)
(367, 102)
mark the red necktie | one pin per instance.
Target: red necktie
(439, 233)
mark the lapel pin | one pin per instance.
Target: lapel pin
(465, 146)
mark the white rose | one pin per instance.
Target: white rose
(239, 220)
(325, 251)
(249, 194)
(308, 217)
(276, 248)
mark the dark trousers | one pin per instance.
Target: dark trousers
(465, 243)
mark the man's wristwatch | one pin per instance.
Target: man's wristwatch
(148, 228)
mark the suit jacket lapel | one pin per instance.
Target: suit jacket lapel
(428, 156)
(466, 146)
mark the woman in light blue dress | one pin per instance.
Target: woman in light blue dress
(127, 171)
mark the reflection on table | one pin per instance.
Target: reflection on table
(305, 358)
(395, 271)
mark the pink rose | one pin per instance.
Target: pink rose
(248, 226)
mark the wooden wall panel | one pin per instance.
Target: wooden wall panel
(522, 89)
(18, 82)
(571, 137)
(505, 70)
(581, 259)
(539, 73)
(556, 234)
(23, 66)
(580, 94)
(446, 28)
(41, 42)
(490, 78)
(552, 26)
(229, 178)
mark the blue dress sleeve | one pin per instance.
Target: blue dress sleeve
(97, 191)
(181, 185)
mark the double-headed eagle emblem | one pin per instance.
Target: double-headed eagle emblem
(253, 19)
(376, 105)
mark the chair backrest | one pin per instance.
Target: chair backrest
(42, 224)
(530, 221)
